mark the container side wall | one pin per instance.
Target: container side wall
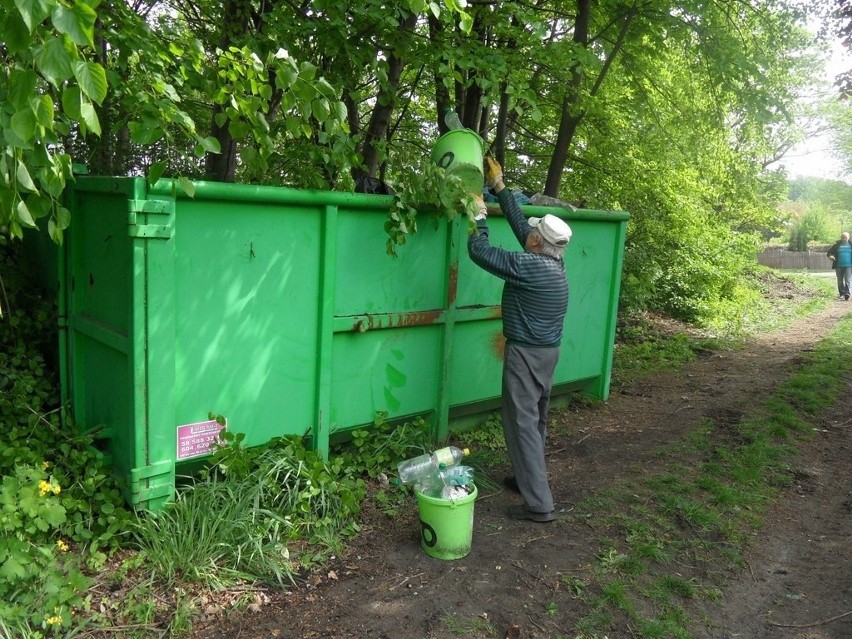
(371, 281)
(589, 264)
(389, 370)
(100, 325)
(476, 358)
(585, 358)
(389, 318)
(246, 316)
(281, 311)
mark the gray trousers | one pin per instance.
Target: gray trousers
(844, 279)
(527, 380)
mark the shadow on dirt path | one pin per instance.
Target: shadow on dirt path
(519, 574)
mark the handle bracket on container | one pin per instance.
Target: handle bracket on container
(147, 207)
(151, 231)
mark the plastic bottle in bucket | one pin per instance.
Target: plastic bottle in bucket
(451, 119)
(422, 468)
(433, 485)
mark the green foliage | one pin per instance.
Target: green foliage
(55, 490)
(49, 84)
(819, 211)
(706, 503)
(430, 189)
(39, 584)
(833, 195)
(840, 119)
(697, 211)
(814, 225)
(282, 495)
(391, 501)
(305, 100)
(230, 456)
(380, 448)
(486, 436)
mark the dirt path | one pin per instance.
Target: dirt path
(799, 567)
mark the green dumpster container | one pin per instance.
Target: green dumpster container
(280, 310)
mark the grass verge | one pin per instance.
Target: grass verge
(662, 540)
(645, 345)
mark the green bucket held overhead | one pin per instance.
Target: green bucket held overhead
(460, 152)
(446, 525)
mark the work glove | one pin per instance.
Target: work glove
(493, 172)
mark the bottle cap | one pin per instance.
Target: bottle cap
(466, 452)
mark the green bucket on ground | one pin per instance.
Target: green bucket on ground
(460, 152)
(446, 525)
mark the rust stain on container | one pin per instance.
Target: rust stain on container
(363, 325)
(370, 322)
(453, 283)
(419, 319)
(498, 344)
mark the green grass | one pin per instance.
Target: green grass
(244, 541)
(280, 509)
(632, 361)
(703, 507)
(776, 313)
(468, 628)
(640, 350)
(287, 497)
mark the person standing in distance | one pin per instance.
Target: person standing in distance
(534, 301)
(840, 255)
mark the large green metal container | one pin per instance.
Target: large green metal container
(280, 310)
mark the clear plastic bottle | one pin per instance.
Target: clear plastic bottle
(434, 484)
(427, 465)
(451, 119)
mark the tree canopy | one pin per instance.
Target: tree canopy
(671, 110)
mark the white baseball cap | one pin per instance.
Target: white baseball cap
(552, 229)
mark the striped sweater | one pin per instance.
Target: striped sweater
(535, 292)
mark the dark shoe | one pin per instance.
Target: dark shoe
(512, 484)
(522, 512)
(846, 297)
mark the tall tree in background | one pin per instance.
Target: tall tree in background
(671, 110)
(840, 25)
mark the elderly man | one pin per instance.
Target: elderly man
(535, 299)
(840, 255)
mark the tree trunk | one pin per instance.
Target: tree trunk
(569, 120)
(442, 94)
(221, 167)
(377, 128)
(572, 115)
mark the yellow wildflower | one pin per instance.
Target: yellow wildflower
(45, 487)
(62, 545)
(54, 620)
(45, 465)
